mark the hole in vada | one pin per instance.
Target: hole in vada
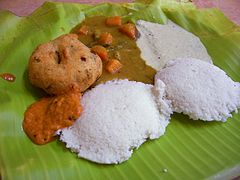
(37, 59)
(58, 57)
(83, 59)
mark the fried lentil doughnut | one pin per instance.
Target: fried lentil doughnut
(64, 64)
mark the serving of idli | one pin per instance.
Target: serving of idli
(106, 122)
(199, 89)
(119, 116)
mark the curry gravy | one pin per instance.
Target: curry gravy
(123, 48)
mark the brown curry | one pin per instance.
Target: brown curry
(123, 48)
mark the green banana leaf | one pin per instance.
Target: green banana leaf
(188, 150)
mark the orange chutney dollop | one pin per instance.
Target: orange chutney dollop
(43, 118)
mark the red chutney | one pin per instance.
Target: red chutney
(43, 118)
(8, 77)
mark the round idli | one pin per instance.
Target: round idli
(199, 89)
(118, 117)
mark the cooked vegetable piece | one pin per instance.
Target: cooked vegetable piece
(129, 29)
(101, 52)
(96, 34)
(113, 66)
(114, 21)
(106, 38)
(83, 30)
(117, 55)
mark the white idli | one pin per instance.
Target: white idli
(161, 43)
(118, 117)
(199, 89)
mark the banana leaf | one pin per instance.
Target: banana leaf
(188, 150)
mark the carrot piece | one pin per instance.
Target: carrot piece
(105, 38)
(114, 21)
(101, 52)
(83, 30)
(113, 66)
(129, 29)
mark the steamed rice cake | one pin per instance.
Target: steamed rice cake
(199, 89)
(118, 117)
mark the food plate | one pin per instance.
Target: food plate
(188, 150)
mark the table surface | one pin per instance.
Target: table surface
(231, 8)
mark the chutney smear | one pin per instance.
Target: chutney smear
(44, 117)
(8, 77)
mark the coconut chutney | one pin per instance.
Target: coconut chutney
(161, 43)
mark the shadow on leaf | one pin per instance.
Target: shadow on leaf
(37, 93)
